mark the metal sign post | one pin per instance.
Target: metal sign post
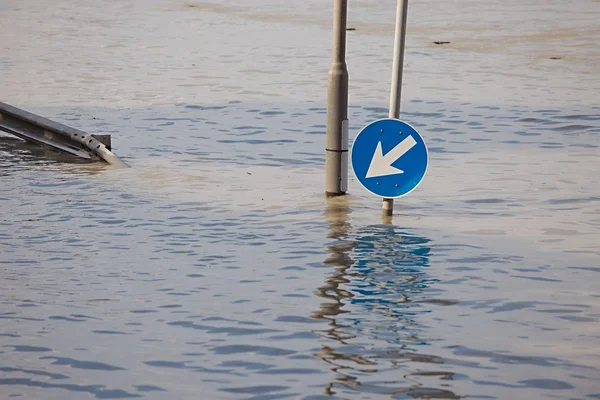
(389, 157)
(336, 139)
(396, 91)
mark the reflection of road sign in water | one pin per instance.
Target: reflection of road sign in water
(388, 264)
(389, 158)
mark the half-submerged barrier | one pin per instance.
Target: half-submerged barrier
(40, 130)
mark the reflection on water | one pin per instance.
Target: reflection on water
(16, 154)
(13, 150)
(339, 258)
(373, 321)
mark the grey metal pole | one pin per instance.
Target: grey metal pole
(336, 139)
(396, 91)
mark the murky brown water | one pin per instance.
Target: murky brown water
(214, 267)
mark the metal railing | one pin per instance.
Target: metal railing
(40, 130)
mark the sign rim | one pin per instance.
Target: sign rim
(352, 158)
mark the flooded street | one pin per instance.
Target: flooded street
(214, 267)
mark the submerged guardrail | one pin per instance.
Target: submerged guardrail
(40, 130)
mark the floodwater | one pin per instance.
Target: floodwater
(214, 267)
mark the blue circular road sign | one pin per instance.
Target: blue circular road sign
(389, 158)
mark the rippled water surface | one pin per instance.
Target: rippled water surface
(215, 268)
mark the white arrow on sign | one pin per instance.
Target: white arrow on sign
(381, 165)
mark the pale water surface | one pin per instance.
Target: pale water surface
(214, 268)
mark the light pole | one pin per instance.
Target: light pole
(336, 139)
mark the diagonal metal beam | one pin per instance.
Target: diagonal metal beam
(40, 130)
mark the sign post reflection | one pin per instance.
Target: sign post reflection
(373, 300)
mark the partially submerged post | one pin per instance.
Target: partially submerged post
(336, 147)
(40, 130)
(396, 91)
